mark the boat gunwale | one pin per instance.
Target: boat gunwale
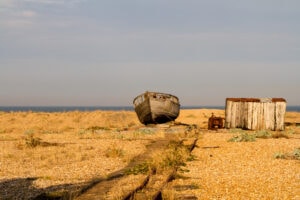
(159, 93)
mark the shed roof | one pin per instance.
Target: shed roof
(262, 100)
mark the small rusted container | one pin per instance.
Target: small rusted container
(215, 122)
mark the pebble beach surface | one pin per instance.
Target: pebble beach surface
(44, 152)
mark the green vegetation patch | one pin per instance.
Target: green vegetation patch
(175, 156)
(266, 134)
(263, 134)
(243, 137)
(295, 155)
(142, 168)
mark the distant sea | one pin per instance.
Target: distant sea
(107, 108)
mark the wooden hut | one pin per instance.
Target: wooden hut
(255, 113)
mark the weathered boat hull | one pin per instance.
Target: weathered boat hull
(156, 108)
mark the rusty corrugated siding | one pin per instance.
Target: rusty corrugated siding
(255, 99)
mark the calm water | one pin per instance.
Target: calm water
(93, 108)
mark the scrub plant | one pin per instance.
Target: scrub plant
(243, 137)
(114, 152)
(263, 134)
(142, 168)
(295, 155)
(32, 141)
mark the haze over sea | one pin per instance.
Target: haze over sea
(94, 108)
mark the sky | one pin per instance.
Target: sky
(106, 52)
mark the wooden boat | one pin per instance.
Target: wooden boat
(156, 107)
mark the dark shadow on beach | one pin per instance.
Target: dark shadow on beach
(23, 189)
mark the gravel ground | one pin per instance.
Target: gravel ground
(76, 154)
(241, 170)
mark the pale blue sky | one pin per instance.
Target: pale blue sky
(104, 53)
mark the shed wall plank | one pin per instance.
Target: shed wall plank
(228, 111)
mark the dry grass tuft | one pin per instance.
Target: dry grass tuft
(280, 135)
(113, 152)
